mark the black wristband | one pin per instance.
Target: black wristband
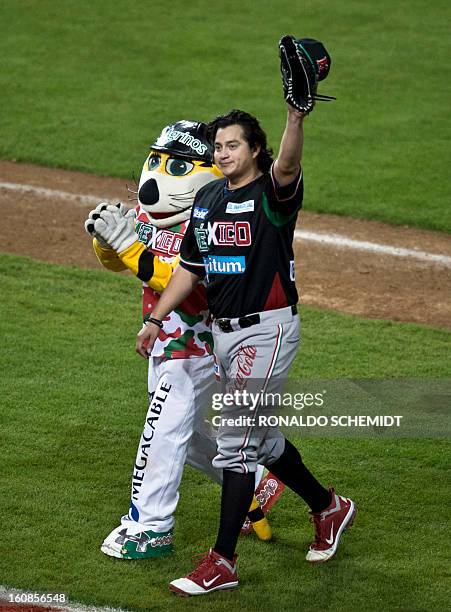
(156, 322)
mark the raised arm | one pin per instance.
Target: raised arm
(286, 166)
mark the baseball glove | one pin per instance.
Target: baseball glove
(303, 63)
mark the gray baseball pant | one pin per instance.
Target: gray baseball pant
(256, 359)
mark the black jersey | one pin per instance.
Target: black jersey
(241, 241)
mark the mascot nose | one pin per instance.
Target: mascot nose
(148, 192)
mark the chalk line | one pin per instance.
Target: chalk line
(336, 240)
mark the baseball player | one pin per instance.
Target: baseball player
(146, 241)
(240, 243)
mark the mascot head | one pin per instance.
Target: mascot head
(179, 164)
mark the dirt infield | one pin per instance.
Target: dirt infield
(371, 284)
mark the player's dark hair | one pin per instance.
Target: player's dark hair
(253, 134)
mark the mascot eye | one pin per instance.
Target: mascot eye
(154, 162)
(178, 167)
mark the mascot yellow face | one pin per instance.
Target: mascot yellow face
(179, 164)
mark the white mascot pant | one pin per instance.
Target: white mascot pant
(174, 432)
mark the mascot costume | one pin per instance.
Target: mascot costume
(146, 240)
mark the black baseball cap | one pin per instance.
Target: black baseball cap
(318, 55)
(186, 139)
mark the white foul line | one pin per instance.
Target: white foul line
(336, 240)
(52, 193)
(373, 247)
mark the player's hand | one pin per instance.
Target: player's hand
(146, 339)
(295, 114)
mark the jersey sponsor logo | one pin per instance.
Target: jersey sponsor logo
(200, 213)
(240, 207)
(224, 264)
(163, 241)
(245, 363)
(292, 270)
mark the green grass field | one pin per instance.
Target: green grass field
(88, 85)
(73, 401)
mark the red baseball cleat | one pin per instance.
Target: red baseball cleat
(213, 573)
(329, 525)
